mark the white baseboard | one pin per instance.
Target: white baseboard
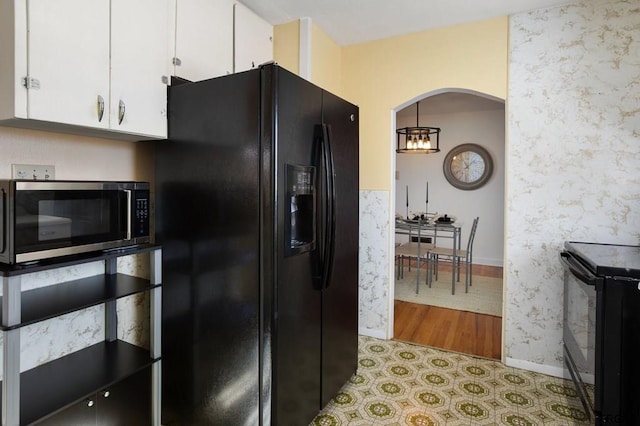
(487, 261)
(549, 370)
(378, 334)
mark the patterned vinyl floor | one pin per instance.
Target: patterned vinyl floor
(403, 384)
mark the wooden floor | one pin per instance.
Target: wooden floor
(459, 331)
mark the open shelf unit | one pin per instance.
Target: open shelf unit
(35, 394)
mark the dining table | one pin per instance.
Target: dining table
(434, 229)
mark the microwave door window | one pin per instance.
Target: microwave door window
(48, 219)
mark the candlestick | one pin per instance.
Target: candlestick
(426, 203)
(407, 202)
(427, 192)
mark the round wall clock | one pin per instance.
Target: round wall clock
(468, 166)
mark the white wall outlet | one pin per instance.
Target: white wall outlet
(33, 171)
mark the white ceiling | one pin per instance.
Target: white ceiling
(356, 21)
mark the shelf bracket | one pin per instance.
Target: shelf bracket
(11, 288)
(110, 307)
(11, 379)
(155, 277)
(155, 315)
(156, 393)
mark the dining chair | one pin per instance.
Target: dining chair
(412, 250)
(435, 254)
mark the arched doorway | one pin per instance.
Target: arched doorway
(465, 116)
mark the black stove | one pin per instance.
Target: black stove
(602, 328)
(607, 259)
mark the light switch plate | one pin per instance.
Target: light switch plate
(33, 171)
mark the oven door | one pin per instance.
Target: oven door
(580, 334)
(61, 218)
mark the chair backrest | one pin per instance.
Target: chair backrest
(472, 234)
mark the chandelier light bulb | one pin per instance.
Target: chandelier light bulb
(417, 139)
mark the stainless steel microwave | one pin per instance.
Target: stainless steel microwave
(45, 219)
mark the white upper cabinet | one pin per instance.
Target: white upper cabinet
(100, 67)
(203, 39)
(69, 63)
(140, 58)
(253, 39)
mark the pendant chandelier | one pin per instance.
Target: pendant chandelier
(418, 140)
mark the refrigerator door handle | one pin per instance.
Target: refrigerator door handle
(323, 255)
(330, 232)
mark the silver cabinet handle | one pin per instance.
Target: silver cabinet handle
(100, 108)
(121, 111)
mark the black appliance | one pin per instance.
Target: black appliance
(602, 328)
(45, 219)
(257, 212)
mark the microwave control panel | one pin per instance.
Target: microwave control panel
(141, 223)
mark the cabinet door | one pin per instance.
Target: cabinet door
(204, 39)
(253, 39)
(68, 53)
(80, 414)
(140, 57)
(127, 402)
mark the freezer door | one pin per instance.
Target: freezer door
(340, 297)
(207, 220)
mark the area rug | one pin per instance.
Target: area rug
(484, 296)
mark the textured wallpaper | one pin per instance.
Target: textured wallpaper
(573, 156)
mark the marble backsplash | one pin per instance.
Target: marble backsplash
(374, 263)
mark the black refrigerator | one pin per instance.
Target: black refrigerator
(257, 212)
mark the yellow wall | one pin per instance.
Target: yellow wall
(381, 75)
(286, 46)
(326, 61)
(326, 55)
